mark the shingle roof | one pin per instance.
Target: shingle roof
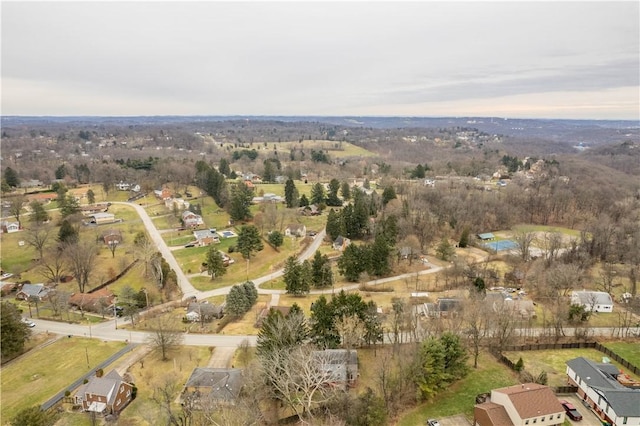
(225, 383)
(624, 401)
(532, 400)
(593, 297)
(495, 413)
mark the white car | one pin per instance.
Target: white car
(28, 322)
(433, 422)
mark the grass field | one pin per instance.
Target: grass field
(554, 361)
(40, 374)
(630, 351)
(460, 396)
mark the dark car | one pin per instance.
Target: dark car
(571, 411)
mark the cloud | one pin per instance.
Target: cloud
(306, 58)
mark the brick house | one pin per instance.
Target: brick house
(109, 394)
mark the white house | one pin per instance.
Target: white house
(9, 227)
(295, 230)
(592, 301)
(598, 386)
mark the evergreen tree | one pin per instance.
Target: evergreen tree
(279, 332)
(352, 263)
(304, 201)
(11, 177)
(322, 330)
(223, 167)
(321, 273)
(464, 238)
(237, 302)
(345, 191)
(378, 262)
(70, 206)
(239, 206)
(276, 238)
(251, 292)
(249, 241)
(388, 194)
(91, 196)
(61, 172)
(215, 262)
(290, 194)
(14, 333)
(67, 233)
(269, 172)
(297, 276)
(445, 250)
(38, 213)
(332, 197)
(317, 194)
(34, 416)
(334, 225)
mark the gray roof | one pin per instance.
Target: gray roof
(204, 233)
(104, 386)
(593, 297)
(204, 308)
(624, 401)
(225, 383)
(34, 290)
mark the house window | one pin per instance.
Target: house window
(543, 419)
(526, 422)
(535, 420)
(558, 416)
(624, 420)
(118, 402)
(129, 393)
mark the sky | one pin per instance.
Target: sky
(561, 59)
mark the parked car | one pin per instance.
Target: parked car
(189, 245)
(28, 322)
(433, 422)
(571, 411)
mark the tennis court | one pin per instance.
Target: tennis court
(501, 245)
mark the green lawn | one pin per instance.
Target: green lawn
(554, 361)
(460, 396)
(630, 351)
(41, 373)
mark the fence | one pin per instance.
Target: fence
(575, 345)
(116, 278)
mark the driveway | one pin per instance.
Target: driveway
(589, 418)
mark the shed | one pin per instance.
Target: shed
(486, 236)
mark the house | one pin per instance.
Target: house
(250, 185)
(310, 210)
(123, 186)
(176, 203)
(204, 237)
(94, 208)
(502, 301)
(339, 364)
(209, 386)
(109, 394)
(295, 230)
(205, 311)
(9, 226)
(38, 291)
(448, 307)
(520, 405)
(592, 301)
(191, 220)
(99, 301)
(341, 243)
(599, 386)
(163, 193)
(102, 218)
(112, 236)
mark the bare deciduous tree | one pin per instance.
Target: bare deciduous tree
(524, 240)
(53, 267)
(475, 318)
(81, 257)
(37, 237)
(297, 379)
(165, 335)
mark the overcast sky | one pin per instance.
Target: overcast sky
(505, 59)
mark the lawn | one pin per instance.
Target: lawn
(630, 351)
(554, 362)
(41, 373)
(460, 396)
(336, 149)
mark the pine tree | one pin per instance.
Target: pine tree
(215, 263)
(290, 194)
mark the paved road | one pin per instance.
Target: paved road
(185, 285)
